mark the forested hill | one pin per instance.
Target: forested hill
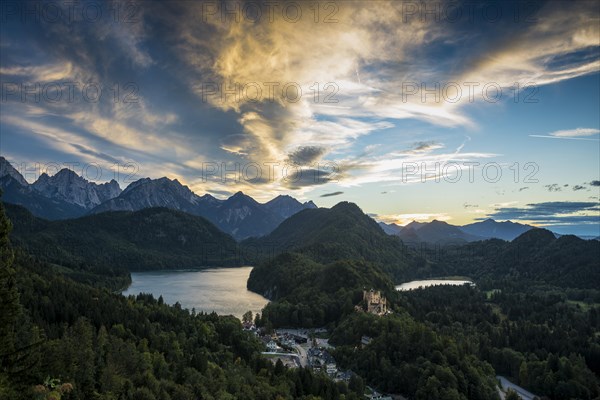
(535, 256)
(60, 339)
(153, 238)
(441, 342)
(341, 232)
(322, 261)
(312, 294)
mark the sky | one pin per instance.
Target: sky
(456, 111)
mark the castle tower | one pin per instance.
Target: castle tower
(375, 302)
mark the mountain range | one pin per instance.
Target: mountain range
(440, 232)
(161, 237)
(240, 215)
(67, 195)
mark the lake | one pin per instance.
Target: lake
(430, 282)
(222, 290)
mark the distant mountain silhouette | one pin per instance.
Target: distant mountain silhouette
(440, 232)
(67, 195)
(240, 215)
(390, 229)
(489, 228)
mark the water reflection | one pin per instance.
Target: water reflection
(222, 290)
(431, 282)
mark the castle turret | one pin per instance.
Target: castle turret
(375, 303)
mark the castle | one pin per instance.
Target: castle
(375, 303)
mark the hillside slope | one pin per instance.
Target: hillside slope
(153, 238)
(342, 232)
(536, 255)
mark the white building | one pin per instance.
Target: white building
(331, 369)
(272, 346)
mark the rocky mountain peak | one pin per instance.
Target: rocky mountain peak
(310, 204)
(7, 169)
(71, 188)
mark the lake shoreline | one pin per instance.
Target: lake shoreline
(425, 283)
(212, 289)
(199, 269)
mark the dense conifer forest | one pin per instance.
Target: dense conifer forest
(63, 339)
(533, 315)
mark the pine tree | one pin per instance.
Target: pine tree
(9, 305)
(512, 395)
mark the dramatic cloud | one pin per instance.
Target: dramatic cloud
(595, 183)
(549, 213)
(578, 187)
(306, 177)
(357, 56)
(331, 194)
(306, 155)
(367, 95)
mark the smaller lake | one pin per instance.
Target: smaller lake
(430, 282)
(222, 290)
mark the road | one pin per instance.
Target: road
(302, 349)
(302, 355)
(506, 384)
